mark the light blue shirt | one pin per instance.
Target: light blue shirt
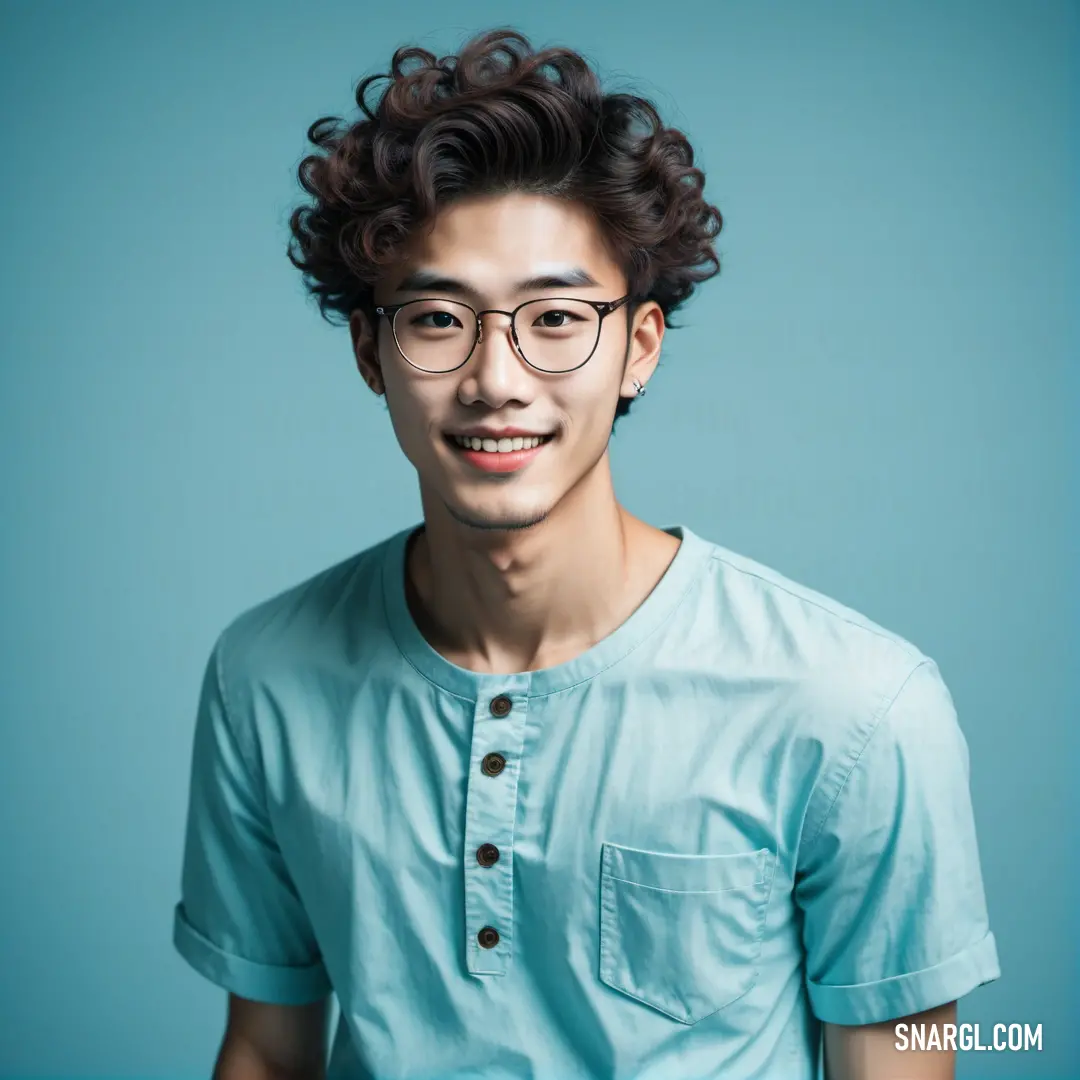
(744, 812)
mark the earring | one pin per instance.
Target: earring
(639, 387)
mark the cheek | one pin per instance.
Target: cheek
(586, 402)
(412, 411)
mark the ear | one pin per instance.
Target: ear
(643, 351)
(365, 350)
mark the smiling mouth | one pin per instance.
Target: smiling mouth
(506, 445)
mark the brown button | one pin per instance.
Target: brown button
(488, 937)
(493, 764)
(487, 854)
(501, 705)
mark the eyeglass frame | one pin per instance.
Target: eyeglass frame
(603, 309)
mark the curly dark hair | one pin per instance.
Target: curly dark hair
(497, 118)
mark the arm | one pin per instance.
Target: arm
(895, 922)
(241, 921)
(273, 1042)
(868, 1051)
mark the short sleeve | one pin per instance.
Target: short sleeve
(890, 885)
(239, 922)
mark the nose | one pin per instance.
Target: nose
(497, 373)
(492, 345)
(509, 329)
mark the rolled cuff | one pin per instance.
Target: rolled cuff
(904, 995)
(257, 982)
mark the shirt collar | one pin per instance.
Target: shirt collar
(657, 607)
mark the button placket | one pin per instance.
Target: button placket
(491, 809)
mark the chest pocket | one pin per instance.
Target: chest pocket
(682, 933)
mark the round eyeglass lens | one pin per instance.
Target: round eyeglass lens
(557, 335)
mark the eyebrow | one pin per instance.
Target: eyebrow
(432, 281)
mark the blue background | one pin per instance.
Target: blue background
(875, 397)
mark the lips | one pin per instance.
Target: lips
(504, 455)
(498, 444)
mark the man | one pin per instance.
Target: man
(536, 788)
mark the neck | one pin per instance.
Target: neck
(519, 600)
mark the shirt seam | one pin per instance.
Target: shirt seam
(241, 742)
(877, 723)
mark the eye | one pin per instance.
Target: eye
(555, 319)
(440, 320)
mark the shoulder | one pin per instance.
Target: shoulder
(835, 681)
(838, 667)
(812, 620)
(311, 622)
(778, 617)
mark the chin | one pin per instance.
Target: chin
(502, 520)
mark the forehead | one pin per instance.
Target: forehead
(488, 240)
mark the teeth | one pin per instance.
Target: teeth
(499, 446)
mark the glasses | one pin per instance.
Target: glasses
(553, 335)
